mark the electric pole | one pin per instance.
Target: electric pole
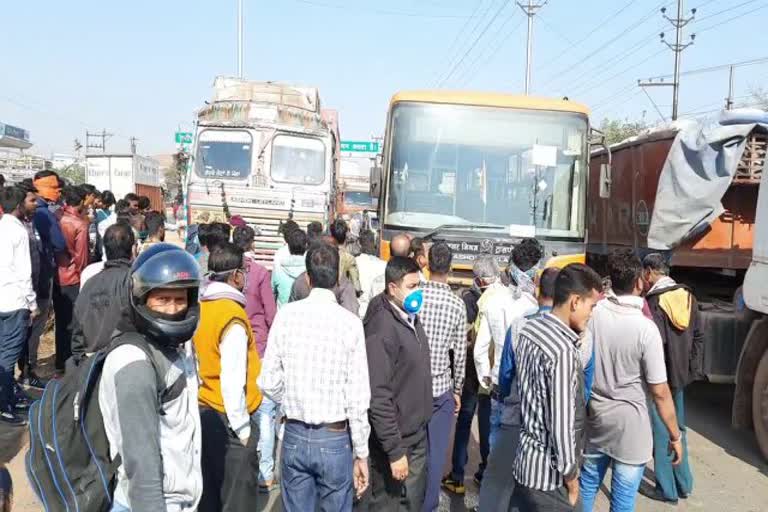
(133, 140)
(103, 136)
(240, 38)
(729, 99)
(530, 9)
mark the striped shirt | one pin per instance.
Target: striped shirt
(547, 359)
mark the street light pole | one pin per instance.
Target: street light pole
(530, 10)
(240, 38)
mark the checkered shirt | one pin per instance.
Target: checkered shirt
(316, 365)
(444, 318)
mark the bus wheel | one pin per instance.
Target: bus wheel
(760, 404)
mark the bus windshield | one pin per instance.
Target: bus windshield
(224, 154)
(457, 164)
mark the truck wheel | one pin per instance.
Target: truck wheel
(760, 404)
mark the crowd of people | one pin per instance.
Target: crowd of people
(361, 367)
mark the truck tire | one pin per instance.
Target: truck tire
(760, 404)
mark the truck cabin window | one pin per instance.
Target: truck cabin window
(224, 154)
(455, 164)
(298, 160)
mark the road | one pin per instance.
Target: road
(728, 470)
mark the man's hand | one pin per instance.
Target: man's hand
(399, 468)
(360, 476)
(33, 315)
(676, 449)
(457, 401)
(573, 490)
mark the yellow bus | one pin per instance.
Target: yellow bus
(480, 171)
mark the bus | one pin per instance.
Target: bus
(481, 171)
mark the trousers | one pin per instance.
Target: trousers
(438, 437)
(387, 494)
(64, 298)
(671, 481)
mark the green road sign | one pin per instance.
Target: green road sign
(183, 138)
(360, 146)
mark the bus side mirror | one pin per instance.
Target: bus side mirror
(605, 181)
(375, 182)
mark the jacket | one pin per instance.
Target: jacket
(400, 375)
(344, 292)
(471, 298)
(348, 268)
(284, 274)
(680, 327)
(52, 243)
(259, 303)
(72, 263)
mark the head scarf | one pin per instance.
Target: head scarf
(523, 280)
(48, 188)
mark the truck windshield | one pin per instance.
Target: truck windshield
(456, 164)
(298, 160)
(224, 154)
(358, 198)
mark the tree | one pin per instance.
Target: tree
(616, 131)
(74, 174)
(758, 98)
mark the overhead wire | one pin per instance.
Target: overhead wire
(460, 33)
(376, 10)
(473, 68)
(738, 16)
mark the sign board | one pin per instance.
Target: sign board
(360, 146)
(184, 138)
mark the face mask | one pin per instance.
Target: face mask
(413, 301)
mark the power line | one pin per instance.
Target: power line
(732, 18)
(718, 67)
(460, 33)
(658, 110)
(500, 42)
(732, 8)
(474, 43)
(374, 10)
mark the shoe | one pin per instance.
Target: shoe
(451, 485)
(23, 403)
(33, 381)
(478, 479)
(655, 495)
(9, 418)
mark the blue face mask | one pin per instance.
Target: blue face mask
(413, 301)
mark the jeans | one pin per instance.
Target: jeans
(265, 417)
(671, 481)
(498, 481)
(438, 437)
(316, 469)
(625, 481)
(13, 336)
(28, 362)
(497, 407)
(64, 298)
(469, 401)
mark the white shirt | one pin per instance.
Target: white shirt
(90, 271)
(15, 267)
(316, 365)
(234, 367)
(371, 271)
(496, 315)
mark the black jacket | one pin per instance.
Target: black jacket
(683, 350)
(401, 380)
(100, 306)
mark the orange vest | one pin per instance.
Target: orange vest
(216, 316)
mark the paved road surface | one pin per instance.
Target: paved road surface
(728, 470)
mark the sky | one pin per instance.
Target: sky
(142, 68)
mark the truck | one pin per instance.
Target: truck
(125, 173)
(263, 151)
(696, 195)
(481, 171)
(353, 194)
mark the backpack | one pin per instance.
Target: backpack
(68, 463)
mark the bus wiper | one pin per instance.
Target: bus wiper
(462, 227)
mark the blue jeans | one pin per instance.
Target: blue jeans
(117, 507)
(316, 469)
(495, 421)
(13, 337)
(470, 400)
(625, 481)
(265, 418)
(672, 482)
(438, 437)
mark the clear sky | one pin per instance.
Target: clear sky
(141, 68)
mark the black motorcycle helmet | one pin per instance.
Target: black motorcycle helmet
(165, 266)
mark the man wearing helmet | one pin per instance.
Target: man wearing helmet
(150, 404)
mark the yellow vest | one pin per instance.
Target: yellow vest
(216, 316)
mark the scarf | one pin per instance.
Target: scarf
(523, 281)
(48, 188)
(662, 284)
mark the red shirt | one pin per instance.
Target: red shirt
(75, 231)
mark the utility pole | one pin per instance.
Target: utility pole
(133, 140)
(103, 136)
(530, 9)
(678, 22)
(240, 38)
(729, 99)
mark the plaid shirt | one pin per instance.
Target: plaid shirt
(444, 318)
(316, 365)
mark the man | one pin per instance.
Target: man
(400, 246)
(94, 240)
(418, 252)
(486, 272)
(229, 364)
(17, 301)
(157, 438)
(348, 265)
(133, 203)
(523, 265)
(444, 318)
(401, 391)
(371, 269)
(314, 230)
(70, 267)
(261, 309)
(211, 236)
(629, 358)
(549, 376)
(144, 204)
(155, 226)
(316, 367)
(104, 205)
(676, 313)
(289, 268)
(343, 291)
(108, 216)
(104, 296)
(283, 253)
(500, 308)
(53, 245)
